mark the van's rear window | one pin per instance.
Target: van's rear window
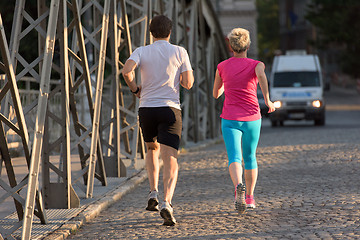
(296, 79)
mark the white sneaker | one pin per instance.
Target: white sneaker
(153, 201)
(166, 212)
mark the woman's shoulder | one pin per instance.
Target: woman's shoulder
(255, 63)
(220, 66)
(253, 60)
(223, 63)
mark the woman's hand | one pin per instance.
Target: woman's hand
(270, 105)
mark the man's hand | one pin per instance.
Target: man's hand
(137, 91)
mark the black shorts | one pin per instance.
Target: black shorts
(163, 124)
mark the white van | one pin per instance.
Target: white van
(296, 88)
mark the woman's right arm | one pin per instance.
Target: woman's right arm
(218, 89)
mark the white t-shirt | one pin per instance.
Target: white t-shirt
(161, 64)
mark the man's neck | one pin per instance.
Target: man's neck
(165, 39)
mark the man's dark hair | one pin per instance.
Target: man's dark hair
(160, 26)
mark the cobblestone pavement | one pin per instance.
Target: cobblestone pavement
(308, 188)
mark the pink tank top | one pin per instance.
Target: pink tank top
(240, 88)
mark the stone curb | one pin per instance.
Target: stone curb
(105, 201)
(94, 208)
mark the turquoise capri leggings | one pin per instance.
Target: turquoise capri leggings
(241, 140)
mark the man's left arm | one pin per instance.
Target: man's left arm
(129, 76)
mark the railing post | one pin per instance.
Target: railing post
(40, 119)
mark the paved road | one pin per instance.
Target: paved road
(308, 188)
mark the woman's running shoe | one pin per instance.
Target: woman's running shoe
(250, 202)
(240, 204)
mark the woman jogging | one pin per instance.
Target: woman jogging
(238, 77)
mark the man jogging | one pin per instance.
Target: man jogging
(164, 67)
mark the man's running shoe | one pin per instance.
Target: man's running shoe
(250, 202)
(153, 201)
(166, 212)
(240, 204)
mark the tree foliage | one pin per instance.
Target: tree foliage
(268, 28)
(338, 25)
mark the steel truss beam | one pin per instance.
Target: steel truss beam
(41, 117)
(119, 131)
(63, 188)
(114, 124)
(18, 125)
(59, 194)
(98, 99)
(109, 132)
(93, 154)
(127, 33)
(89, 148)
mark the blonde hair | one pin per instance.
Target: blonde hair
(239, 39)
